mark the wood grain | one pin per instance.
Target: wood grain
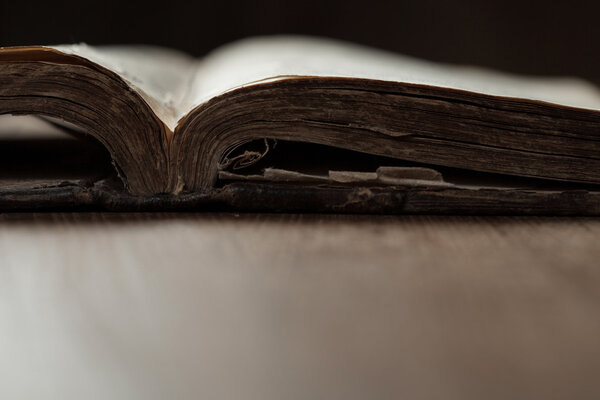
(227, 306)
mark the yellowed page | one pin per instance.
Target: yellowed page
(174, 83)
(263, 59)
(160, 75)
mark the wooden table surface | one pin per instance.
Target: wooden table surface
(205, 306)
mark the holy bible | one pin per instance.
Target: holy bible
(290, 123)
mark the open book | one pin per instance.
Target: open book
(312, 116)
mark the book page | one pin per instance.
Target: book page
(160, 75)
(264, 59)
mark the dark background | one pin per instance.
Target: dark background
(531, 37)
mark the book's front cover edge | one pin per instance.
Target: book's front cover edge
(283, 197)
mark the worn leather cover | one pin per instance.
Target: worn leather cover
(110, 195)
